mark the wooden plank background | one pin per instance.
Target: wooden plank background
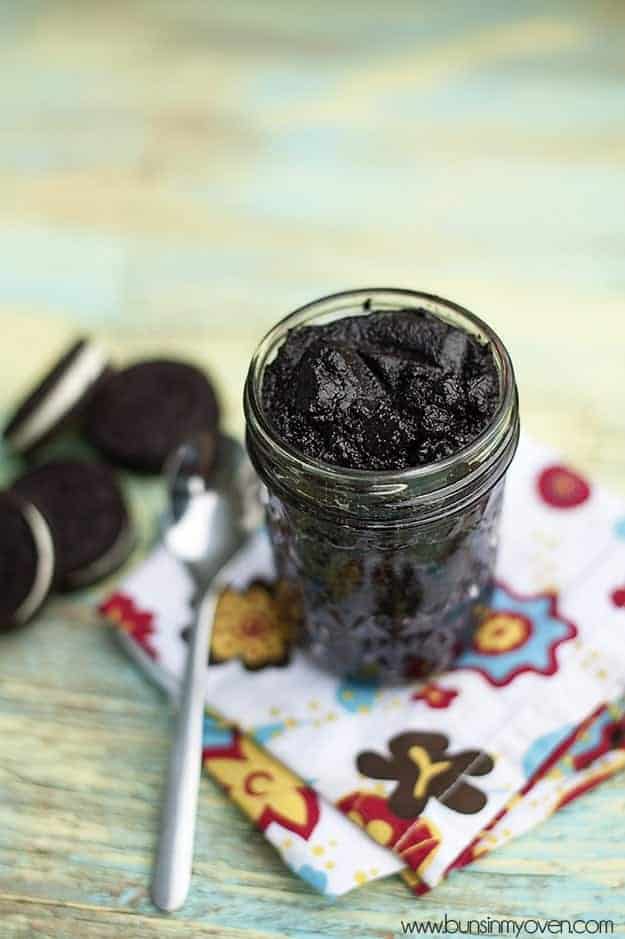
(174, 177)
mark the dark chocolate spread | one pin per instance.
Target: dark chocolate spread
(381, 391)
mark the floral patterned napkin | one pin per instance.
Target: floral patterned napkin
(351, 782)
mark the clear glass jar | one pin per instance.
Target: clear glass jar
(390, 568)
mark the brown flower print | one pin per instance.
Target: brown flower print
(423, 768)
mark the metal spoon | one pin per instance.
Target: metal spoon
(213, 505)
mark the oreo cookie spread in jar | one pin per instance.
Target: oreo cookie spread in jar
(382, 423)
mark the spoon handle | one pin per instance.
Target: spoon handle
(172, 873)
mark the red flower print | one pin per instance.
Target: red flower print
(413, 879)
(372, 813)
(435, 696)
(415, 841)
(618, 597)
(561, 488)
(466, 856)
(612, 737)
(581, 789)
(120, 610)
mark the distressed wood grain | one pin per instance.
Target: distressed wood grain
(173, 178)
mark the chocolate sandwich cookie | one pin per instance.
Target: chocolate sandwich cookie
(87, 514)
(27, 561)
(141, 414)
(60, 396)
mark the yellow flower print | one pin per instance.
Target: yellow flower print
(502, 632)
(256, 625)
(263, 788)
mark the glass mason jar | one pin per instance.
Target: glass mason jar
(389, 569)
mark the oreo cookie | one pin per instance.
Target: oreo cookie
(141, 414)
(85, 509)
(59, 397)
(27, 561)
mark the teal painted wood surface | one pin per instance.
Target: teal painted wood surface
(174, 177)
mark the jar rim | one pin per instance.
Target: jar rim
(380, 480)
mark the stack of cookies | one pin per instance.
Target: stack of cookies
(64, 523)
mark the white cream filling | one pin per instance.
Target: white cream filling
(45, 564)
(107, 563)
(67, 391)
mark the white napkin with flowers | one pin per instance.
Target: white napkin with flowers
(352, 782)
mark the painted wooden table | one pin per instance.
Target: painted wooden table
(174, 177)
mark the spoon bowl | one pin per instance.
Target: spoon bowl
(205, 522)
